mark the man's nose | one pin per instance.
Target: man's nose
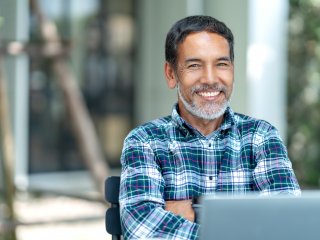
(209, 75)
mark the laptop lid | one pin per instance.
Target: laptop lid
(260, 218)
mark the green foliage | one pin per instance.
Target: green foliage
(304, 90)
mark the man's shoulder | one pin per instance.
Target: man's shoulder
(247, 123)
(156, 128)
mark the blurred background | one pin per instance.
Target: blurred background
(77, 75)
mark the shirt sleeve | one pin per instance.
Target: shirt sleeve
(142, 198)
(273, 173)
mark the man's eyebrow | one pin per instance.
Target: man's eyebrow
(192, 60)
(224, 59)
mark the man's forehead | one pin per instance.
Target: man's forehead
(203, 43)
(194, 35)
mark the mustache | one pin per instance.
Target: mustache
(214, 87)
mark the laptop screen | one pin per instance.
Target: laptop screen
(260, 218)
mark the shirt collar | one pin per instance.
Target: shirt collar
(228, 121)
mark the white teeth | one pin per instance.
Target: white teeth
(208, 94)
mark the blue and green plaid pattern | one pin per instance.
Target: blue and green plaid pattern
(167, 159)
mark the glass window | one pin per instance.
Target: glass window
(98, 40)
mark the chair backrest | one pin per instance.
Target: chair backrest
(113, 224)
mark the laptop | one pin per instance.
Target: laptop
(260, 218)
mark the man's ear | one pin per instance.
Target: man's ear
(170, 75)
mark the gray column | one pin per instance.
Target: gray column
(267, 61)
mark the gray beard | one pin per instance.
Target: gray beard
(216, 110)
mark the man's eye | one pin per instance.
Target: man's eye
(194, 66)
(222, 64)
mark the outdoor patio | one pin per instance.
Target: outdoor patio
(59, 218)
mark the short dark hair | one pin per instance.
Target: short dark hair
(199, 23)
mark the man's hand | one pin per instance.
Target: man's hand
(182, 208)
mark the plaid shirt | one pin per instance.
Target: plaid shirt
(167, 159)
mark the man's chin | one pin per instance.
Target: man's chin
(205, 115)
(211, 112)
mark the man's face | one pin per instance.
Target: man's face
(204, 75)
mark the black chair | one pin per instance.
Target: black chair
(113, 225)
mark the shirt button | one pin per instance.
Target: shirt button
(209, 145)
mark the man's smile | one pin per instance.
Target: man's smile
(208, 94)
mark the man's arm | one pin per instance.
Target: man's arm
(181, 208)
(273, 173)
(141, 198)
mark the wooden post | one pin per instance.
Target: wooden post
(6, 150)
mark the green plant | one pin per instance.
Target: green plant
(304, 90)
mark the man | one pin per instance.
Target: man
(203, 147)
